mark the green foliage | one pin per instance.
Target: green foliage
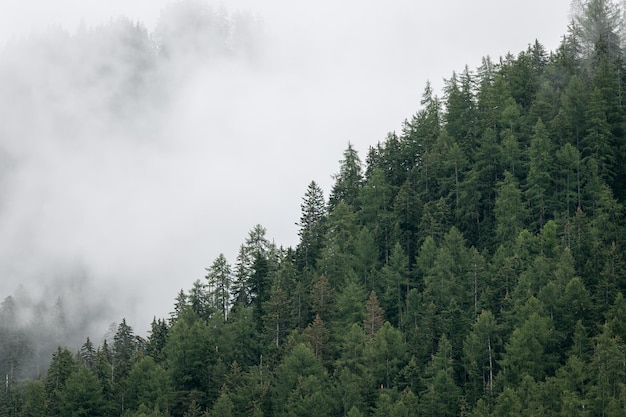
(148, 385)
(442, 395)
(348, 181)
(223, 407)
(189, 353)
(479, 356)
(510, 213)
(33, 399)
(528, 350)
(386, 355)
(82, 395)
(301, 385)
(312, 227)
(474, 265)
(219, 279)
(60, 370)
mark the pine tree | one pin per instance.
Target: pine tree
(509, 210)
(373, 320)
(460, 108)
(87, 353)
(348, 181)
(200, 300)
(241, 277)
(219, 279)
(148, 384)
(528, 351)
(422, 130)
(386, 355)
(82, 396)
(297, 370)
(312, 227)
(316, 335)
(60, 370)
(597, 142)
(479, 352)
(442, 394)
(395, 280)
(278, 315)
(539, 175)
(323, 298)
(157, 339)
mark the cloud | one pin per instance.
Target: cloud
(133, 171)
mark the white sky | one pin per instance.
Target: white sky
(338, 71)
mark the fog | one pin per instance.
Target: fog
(118, 189)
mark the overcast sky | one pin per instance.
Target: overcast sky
(247, 142)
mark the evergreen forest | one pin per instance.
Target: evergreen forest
(472, 264)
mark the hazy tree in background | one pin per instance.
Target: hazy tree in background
(8, 313)
(192, 30)
(16, 345)
(597, 21)
(59, 322)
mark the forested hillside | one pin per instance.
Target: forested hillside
(472, 264)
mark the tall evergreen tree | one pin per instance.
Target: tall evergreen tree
(441, 397)
(510, 212)
(348, 181)
(312, 227)
(539, 183)
(220, 281)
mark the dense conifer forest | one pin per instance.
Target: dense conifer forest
(472, 264)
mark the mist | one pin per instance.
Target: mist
(133, 152)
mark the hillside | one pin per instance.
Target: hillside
(472, 264)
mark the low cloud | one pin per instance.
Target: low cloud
(130, 157)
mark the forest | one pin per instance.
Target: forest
(472, 264)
